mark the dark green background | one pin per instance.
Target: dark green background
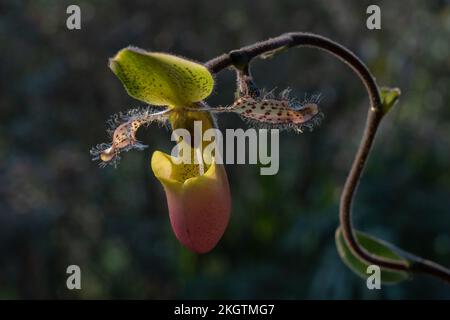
(58, 208)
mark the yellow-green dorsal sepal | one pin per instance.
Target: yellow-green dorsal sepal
(160, 78)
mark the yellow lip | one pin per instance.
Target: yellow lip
(199, 205)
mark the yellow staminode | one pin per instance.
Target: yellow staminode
(176, 175)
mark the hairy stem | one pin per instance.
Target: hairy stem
(241, 58)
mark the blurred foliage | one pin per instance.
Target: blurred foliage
(58, 208)
(375, 246)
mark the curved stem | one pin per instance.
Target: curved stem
(242, 57)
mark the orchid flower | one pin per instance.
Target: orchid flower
(198, 193)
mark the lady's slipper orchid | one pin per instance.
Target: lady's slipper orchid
(198, 195)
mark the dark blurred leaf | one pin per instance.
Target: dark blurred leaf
(271, 54)
(375, 246)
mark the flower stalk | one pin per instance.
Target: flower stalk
(377, 110)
